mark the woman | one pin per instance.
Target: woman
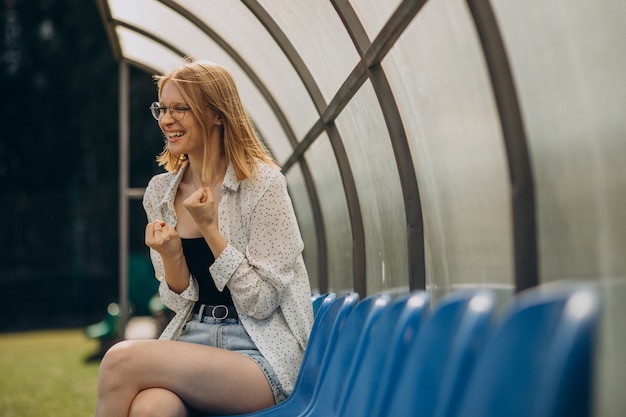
(227, 250)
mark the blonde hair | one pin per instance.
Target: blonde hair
(205, 84)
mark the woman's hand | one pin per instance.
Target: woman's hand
(202, 207)
(163, 239)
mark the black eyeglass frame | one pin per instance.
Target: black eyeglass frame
(176, 111)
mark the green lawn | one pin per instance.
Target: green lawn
(44, 374)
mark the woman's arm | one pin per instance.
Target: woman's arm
(178, 287)
(258, 274)
(166, 241)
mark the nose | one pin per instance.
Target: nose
(167, 114)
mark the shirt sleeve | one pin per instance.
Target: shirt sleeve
(258, 276)
(178, 302)
(174, 301)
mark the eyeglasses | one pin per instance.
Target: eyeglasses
(177, 111)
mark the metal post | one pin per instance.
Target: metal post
(123, 199)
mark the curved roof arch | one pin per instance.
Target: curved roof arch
(315, 79)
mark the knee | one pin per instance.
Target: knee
(143, 408)
(114, 366)
(117, 355)
(157, 402)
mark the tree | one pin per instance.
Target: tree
(59, 159)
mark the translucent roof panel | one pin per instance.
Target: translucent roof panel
(374, 13)
(122, 10)
(327, 178)
(441, 83)
(265, 122)
(302, 207)
(317, 33)
(249, 38)
(144, 51)
(365, 137)
(569, 71)
(161, 22)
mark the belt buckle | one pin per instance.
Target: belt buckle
(225, 314)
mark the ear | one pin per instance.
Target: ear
(219, 120)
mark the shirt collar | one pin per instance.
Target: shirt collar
(230, 182)
(170, 194)
(230, 179)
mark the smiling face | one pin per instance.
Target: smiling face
(183, 136)
(215, 129)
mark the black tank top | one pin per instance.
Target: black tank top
(199, 258)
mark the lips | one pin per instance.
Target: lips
(172, 136)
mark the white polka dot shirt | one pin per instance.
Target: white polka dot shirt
(262, 264)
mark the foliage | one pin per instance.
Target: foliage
(59, 159)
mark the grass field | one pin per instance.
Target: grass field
(44, 374)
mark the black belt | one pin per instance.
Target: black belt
(218, 312)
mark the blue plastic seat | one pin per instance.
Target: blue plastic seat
(349, 350)
(321, 301)
(329, 321)
(378, 367)
(538, 362)
(425, 372)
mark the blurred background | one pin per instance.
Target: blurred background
(437, 145)
(59, 166)
(59, 175)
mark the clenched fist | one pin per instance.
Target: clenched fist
(163, 239)
(202, 206)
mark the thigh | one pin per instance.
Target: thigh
(206, 378)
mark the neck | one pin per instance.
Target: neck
(216, 170)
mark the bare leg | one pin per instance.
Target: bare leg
(208, 379)
(157, 402)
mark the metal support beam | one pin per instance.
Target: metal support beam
(370, 68)
(123, 195)
(515, 143)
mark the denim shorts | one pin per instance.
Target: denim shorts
(231, 335)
